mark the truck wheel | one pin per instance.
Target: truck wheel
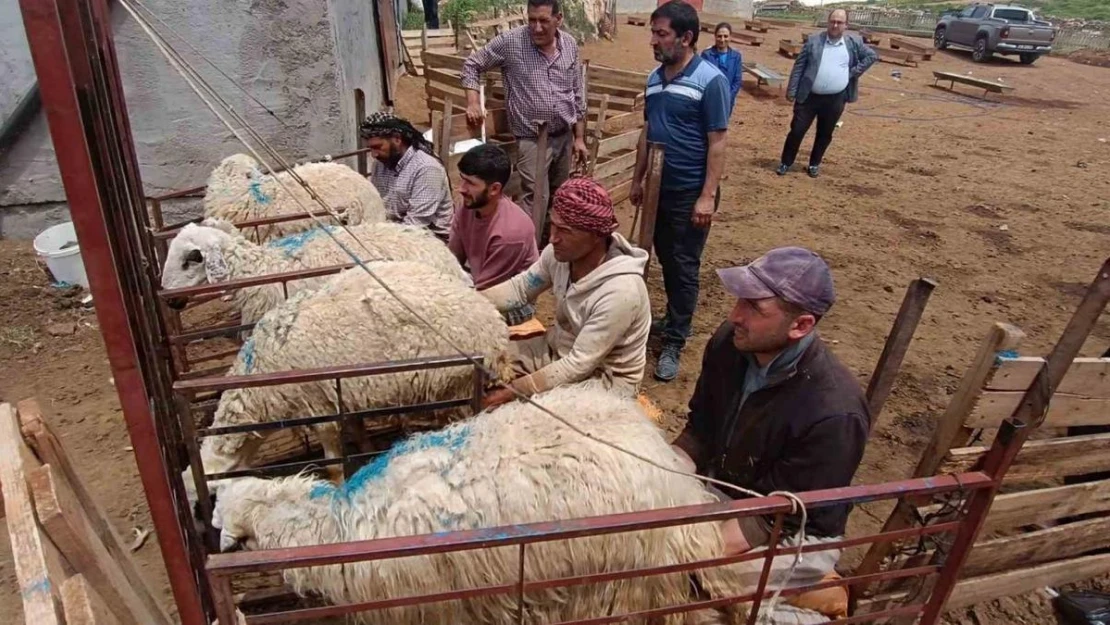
(980, 53)
(1027, 58)
(940, 38)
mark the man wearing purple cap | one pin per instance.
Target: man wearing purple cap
(602, 312)
(773, 408)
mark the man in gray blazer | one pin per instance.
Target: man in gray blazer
(825, 77)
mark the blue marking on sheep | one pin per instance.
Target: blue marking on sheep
(291, 244)
(451, 439)
(1006, 354)
(257, 194)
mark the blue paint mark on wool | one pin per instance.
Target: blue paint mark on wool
(257, 194)
(1006, 354)
(291, 244)
(451, 439)
(247, 353)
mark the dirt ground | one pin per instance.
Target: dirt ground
(1005, 204)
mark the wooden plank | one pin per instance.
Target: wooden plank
(63, 519)
(1087, 377)
(631, 93)
(620, 192)
(979, 589)
(623, 141)
(926, 50)
(742, 37)
(618, 77)
(617, 179)
(1042, 505)
(989, 85)
(432, 32)
(649, 209)
(1063, 410)
(50, 449)
(36, 582)
(637, 21)
(901, 57)
(594, 101)
(615, 165)
(789, 48)
(439, 60)
(442, 79)
(1041, 459)
(1054, 543)
(83, 606)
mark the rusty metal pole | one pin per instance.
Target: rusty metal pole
(1027, 416)
(74, 59)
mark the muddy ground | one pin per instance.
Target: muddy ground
(1006, 204)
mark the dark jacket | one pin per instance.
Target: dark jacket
(805, 431)
(731, 64)
(860, 56)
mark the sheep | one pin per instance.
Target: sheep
(507, 466)
(238, 190)
(215, 251)
(352, 320)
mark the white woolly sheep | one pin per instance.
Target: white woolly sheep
(508, 466)
(351, 320)
(215, 251)
(239, 190)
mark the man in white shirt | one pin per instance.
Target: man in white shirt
(824, 78)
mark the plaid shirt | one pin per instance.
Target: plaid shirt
(416, 191)
(537, 88)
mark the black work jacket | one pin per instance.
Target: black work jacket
(806, 430)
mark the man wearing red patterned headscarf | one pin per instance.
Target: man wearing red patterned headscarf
(602, 313)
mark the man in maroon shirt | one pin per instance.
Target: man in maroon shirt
(490, 234)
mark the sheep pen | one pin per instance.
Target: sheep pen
(507, 466)
(215, 251)
(352, 320)
(239, 191)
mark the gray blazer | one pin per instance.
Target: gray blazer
(860, 56)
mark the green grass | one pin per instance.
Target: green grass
(414, 20)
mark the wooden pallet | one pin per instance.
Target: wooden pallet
(71, 565)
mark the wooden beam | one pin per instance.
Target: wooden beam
(1087, 377)
(623, 141)
(1055, 543)
(83, 606)
(650, 208)
(979, 589)
(618, 77)
(439, 60)
(1041, 459)
(789, 48)
(50, 449)
(1064, 410)
(63, 519)
(897, 343)
(36, 582)
(1042, 505)
(615, 165)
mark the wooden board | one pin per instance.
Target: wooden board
(756, 26)
(623, 141)
(1050, 458)
(440, 60)
(979, 589)
(636, 94)
(1054, 543)
(926, 50)
(615, 165)
(1087, 377)
(789, 48)
(764, 75)
(618, 77)
(1047, 504)
(32, 569)
(637, 21)
(742, 37)
(994, 407)
(83, 606)
(901, 57)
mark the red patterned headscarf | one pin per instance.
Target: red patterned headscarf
(584, 204)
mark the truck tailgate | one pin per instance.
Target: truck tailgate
(1028, 34)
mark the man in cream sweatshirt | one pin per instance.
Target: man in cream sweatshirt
(602, 312)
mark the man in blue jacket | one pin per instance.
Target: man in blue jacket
(825, 77)
(729, 61)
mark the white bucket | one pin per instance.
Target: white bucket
(57, 245)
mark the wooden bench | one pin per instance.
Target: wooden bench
(987, 86)
(900, 57)
(790, 48)
(870, 37)
(1056, 502)
(925, 50)
(764, 75)
(756, 26)
(637, 21)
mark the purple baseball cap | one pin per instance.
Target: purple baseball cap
(795, 274)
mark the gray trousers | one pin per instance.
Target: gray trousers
(557, 160)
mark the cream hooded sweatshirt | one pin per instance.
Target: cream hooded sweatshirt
(601, 322)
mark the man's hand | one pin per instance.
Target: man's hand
(474, 114)
(789, 98)
(703, 211)
(636, 193)
(495, 398)
(581, 154)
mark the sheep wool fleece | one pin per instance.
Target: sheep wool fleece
(511, 465)
(602, 321)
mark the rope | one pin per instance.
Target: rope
(201, 87)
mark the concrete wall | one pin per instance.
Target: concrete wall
(16, 72)
(301, 58)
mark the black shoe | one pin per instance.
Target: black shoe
(812, 171)
(666, 368)
(782, 169)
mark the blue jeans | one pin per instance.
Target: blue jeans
(679, 244)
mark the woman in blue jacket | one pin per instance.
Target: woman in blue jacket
(726, 59)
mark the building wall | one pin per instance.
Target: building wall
(16, 73)
(301, 58)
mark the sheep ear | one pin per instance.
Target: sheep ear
(215, 267)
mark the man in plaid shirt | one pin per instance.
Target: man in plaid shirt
(543, 82)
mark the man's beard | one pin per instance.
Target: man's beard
(666, 57)
(746, 342)
(478, 201)
(392, 158)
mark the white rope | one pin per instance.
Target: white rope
(205, 92)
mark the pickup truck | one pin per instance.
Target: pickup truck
(990, 29)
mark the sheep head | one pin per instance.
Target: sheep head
(254, 513)
(195, 256)
(234, 173)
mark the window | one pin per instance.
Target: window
(1013, 15)
(968, 11)
(980, 12)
